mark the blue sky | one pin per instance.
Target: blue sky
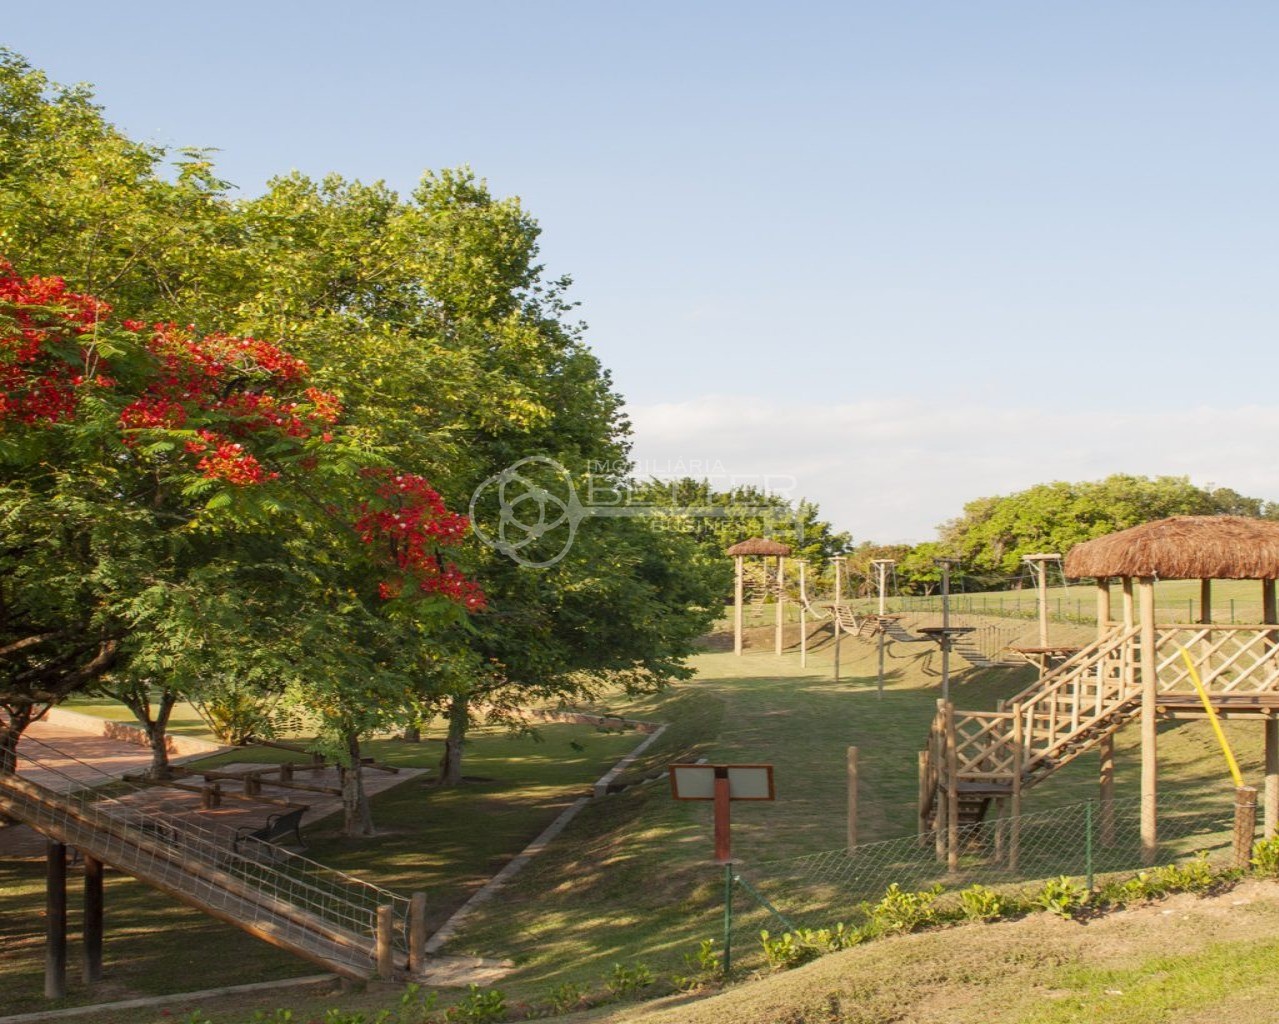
(898, 254)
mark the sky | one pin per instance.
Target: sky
(889, 256)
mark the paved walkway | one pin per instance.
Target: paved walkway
(72, 758)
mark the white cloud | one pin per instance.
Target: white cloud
(893, 469)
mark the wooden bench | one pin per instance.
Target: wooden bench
(277, 826)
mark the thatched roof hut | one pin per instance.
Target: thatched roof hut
(1183, 548)
(759, 546)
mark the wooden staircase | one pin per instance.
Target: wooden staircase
(981, 756)
(315, 912)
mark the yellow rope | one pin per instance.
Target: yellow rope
(1212, 717)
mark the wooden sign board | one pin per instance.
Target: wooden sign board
(745, 781)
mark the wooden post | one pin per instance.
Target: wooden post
(385, 942)
(286, 772)
(1149, 735)
(1001, 809)
(1272, 776)
(723, 840)
(1205, 601)
(781, 605)
(93, 915)
(1270, 614)
(839, 596)
(738, 588)
(417, 933)
(879, 690)
(1014, 816)
(852, 798)
(803, 619)
(1106, 822)
(1245, 824)
(922, 825)
(55, 943)
(952, 795)
(1130, 617)
(1103, 604)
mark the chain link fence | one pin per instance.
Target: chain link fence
(1080, 841)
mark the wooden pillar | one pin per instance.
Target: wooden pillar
(385, 942)
(924, 795)
(952, 794)
(1001, 826)
(1272, 776)
(781, 605)
(55, 944)
(1103, 604)
(1014, 812)
(1149, 736)
(803, 618)
(417, 933)
(738, 587)
(1130, 616)
(852, 798)
(839, 597)
(1106, 822)
(1270, 614)
(1245, 824)
(93, 917)
(1205, 601)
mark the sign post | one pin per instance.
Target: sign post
(722, 784)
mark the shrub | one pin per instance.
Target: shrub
(1265, 857)
(478, 1007)
(1061, 896)
(624, 982)
(901, 911)
(978, 903)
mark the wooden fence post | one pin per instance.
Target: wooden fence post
(417, 933)
(852, 798)
(1245, 824)
(385, 943)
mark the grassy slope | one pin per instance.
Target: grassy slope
(1184, 959)
(632, 879)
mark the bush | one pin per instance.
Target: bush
(901, 911)
(625, 982)
(1061, 896)
(978, 903)
(1265, 857)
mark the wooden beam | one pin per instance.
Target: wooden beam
(55, 942)
(1106, 831)
(1272, 777)
(852, 798)
(385, 942)
(417, 933)
(738, 587)
(1205, 601)
(93, 918)
(781, 605)
(1103, 604)
(1149, 725)
(952, 794)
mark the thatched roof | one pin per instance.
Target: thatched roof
(1183, 548)
(759, 546)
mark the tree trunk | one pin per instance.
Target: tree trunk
(412, 733)
(451, 762)
(357, 815)
(12, 725)
(156, 726)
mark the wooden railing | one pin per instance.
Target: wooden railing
(1227, 658)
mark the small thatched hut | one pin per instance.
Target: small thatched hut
(1205, 548)
(762, 548)
(1183, 548)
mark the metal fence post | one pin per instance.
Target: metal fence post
(728, 919)
(1088, 866)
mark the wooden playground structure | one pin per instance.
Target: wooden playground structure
(1137, 669)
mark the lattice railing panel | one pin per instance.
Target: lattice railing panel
(1228, 659)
